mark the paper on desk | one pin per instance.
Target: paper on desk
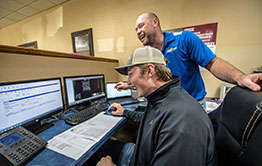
(71, 146)
(95, 128)
(77, 140)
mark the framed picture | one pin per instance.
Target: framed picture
(30, 45)
(82, 42)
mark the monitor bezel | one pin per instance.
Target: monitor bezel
(37, 119)
(86, 102)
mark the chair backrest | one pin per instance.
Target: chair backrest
(238, 128)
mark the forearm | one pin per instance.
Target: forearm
(134, 115)
(124, 86)
(224, 70)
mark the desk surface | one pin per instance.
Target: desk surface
(48, 157)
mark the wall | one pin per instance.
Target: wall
(113, 22)
(18, 67)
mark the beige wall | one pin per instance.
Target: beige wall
(17, 67)
(238, 38)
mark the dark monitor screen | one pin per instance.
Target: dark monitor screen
(84, 89)
(28, 102)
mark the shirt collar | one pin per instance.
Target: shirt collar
(168, 37)
(162, 91)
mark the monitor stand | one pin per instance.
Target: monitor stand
(38, 127)
(84, 105)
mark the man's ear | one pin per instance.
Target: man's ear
(151, 70)
(155, 22)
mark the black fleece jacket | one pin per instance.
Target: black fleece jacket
(174, 130)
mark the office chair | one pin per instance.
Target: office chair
(238, 128)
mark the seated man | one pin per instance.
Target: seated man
(174, 130)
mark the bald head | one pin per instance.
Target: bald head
(152, 16)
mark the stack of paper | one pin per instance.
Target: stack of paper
(77, 140)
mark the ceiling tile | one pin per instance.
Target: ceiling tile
(16, 16)
(10, 5)
(4, 12)
(42, 5)
(58, 1)
(26, 2)
(17, 10)
(7, 21)
(28, 11)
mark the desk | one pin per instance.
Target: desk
(48, 157)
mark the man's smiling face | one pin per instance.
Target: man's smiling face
(145, 30)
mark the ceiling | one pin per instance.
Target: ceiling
(12, 11)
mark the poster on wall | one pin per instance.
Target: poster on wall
(206, 32)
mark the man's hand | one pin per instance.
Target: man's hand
(119, 109)
(227, 72)
(105, 161)
(251, 81)
(124, 86)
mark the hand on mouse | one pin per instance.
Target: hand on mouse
(116, 109)
(112, 109)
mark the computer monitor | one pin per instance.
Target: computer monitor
(81, 90)
(26, 103)
(112, 92)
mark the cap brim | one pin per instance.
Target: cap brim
(122, 69)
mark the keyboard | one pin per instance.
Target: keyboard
(86, 114)
(101, 106)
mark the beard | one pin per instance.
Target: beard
(149, 40)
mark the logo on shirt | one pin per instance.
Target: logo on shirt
(171, 49)
(151, 122)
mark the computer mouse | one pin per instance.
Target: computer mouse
(109, 112)
(112, 109)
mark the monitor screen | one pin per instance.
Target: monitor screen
(112, 92)
(28, 102)
(84, 89)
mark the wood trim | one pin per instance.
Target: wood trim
(39, 52)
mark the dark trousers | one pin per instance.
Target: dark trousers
(112, 148)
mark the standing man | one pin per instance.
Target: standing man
(184, 53)
(175, 130)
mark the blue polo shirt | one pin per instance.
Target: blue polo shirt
(185, 52)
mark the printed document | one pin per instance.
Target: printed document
(77, 140)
